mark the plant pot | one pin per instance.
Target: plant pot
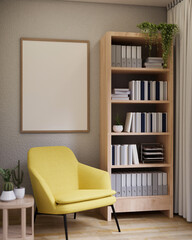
(118, 128)
(7, 196)
(19, 192)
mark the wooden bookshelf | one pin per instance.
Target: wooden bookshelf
(109, 76)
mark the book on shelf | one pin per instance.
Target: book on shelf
(120, 94)
(139, 183)
(126, 56)
(124, 154)
(139, 58)
(128, 121)
(145, 122)
(129, 57)
(148, 90)
(154, 62)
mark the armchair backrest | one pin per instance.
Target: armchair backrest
(58, 166)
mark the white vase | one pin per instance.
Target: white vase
(19, 192)
(7, 196)
(118, 128)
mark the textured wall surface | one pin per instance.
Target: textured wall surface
(62, 20)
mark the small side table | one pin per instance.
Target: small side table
(23, 204)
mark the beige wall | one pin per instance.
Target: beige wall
(63, 20)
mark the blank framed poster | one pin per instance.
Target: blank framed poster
(54, 85)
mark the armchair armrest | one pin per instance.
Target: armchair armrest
(93, 178)
(43, 196)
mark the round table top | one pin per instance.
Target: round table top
(27, 201)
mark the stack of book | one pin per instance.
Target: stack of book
(146, 122)
(148, 90)
(120, 94)
(126, 56)
(125, 154)
(154, 62)
(139, 183)
(152, 153)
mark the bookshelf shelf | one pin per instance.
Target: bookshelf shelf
(138, 102)
(142, 165)
(124, 70)
(120, 77)
(140, 134)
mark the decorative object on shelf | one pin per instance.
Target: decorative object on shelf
(118, 127)
(151, 32)
(167, 33)
(17, 180)
(7, 194)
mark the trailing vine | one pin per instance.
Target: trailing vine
(167, 32)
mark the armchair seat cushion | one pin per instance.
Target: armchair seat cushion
(81, 195)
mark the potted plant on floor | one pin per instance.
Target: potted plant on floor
(118, 127)
(17, 180)
(7, 194)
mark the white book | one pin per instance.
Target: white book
(133, 122)
(139, 187)
(124, 181)
(165, 189)
(161, 90)
(137, 122)
(132, 89)
(128, 122)
(159, 122)
(149, 184)
(130, 154)
(119, 95)
(133, 184)
(121, 99)
(117, 154)
(134, 56)
(118, 56)
(124, 156)
(152, 90)
(113, 50)
(124, 57)
(135, 154)
(164, 90)
(154, 122)
(146, 90)
(137, 90)
(129, 57)
(128, 184)
(139, 60)
(144, 184)
(148, 122)
(159, 183)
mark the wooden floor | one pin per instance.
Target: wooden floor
(91, 226)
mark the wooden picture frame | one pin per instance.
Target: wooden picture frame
(54, 85)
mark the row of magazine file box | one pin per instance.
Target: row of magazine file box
(139, 183)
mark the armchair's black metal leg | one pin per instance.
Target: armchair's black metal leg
(35, 215)
(65, 226)
(115, 216)
(75, 214)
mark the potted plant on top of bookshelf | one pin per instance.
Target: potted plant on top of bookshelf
(167, 31)
(118, 127)
(17, 180)
(7, 194)
(151, 32)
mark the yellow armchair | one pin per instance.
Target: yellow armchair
(62, 185)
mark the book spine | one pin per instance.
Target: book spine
(113, 50)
